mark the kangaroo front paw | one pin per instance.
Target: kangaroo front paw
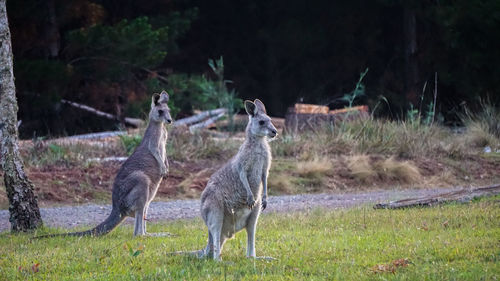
(250, 201)
(264, 204)
(163, 171)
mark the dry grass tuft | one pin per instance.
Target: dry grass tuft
(478, 135)
(403, 171)
(279, 183)
(364, 169)
(315, 168)
(483, 127)
(192, 185)
(360, 167)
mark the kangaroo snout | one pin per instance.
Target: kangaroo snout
(169, 121)
(273, 133)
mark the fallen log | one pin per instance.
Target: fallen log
(462, 195)
(241, 120)
(134, 122)
(100, 135)
(206, 123)
(107, 159)
(199, 117)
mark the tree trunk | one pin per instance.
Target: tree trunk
(23, 207)
(411, 48)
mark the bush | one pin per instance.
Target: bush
(130, 142)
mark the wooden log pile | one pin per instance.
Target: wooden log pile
(311, 117)
(202, 120)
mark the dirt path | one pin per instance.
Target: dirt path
(88, 215)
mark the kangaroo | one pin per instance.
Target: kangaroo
(236, 193)
(139, 177)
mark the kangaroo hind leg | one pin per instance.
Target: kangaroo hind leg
(214, 221)
(140, 223)
(251, 228)
(157, 234)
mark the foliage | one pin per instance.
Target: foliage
(451, 242)
(185, 93)
(103, 59)
(178, 22)
(130, 142)
(122, 48)
(359, 90)
(200, 92)
(219, 92)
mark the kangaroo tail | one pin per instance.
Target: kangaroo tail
(110, 223)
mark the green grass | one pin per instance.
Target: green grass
(41, 154)
(451, 242)
(130, 142)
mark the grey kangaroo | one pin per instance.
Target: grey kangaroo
(236, 193)
(139, 177)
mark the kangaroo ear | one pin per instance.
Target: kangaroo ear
(155, 100)
(163, 97)
(250, 108)
(260, 106)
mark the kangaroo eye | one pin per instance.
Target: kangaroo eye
(261, 122)
(160, 112)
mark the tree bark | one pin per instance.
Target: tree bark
(23, 206)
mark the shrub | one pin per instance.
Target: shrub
(130, 142)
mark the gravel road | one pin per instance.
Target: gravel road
(90, 215)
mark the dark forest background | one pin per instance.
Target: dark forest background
(112, 54)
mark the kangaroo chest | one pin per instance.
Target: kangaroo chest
(162, 152)
(254, 168)
(162, 146)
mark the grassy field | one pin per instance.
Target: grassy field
(451, 242)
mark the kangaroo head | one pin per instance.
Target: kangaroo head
(260, 124)
(160, 112)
